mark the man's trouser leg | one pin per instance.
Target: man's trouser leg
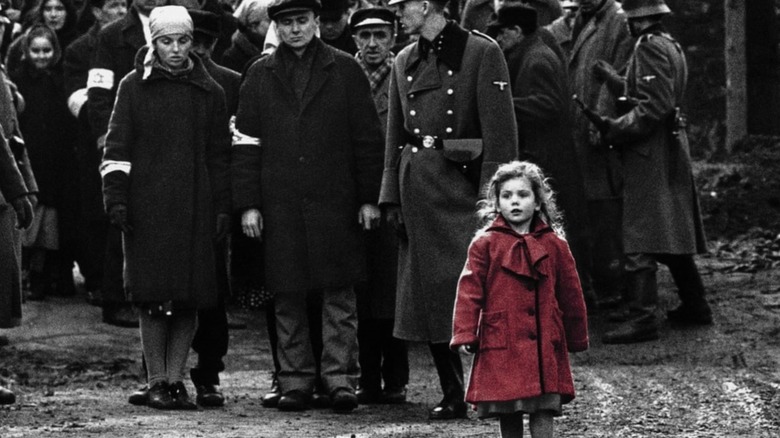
(339, 365)
(607, 267)
(642, 299)
(694, 308)
(297, 369)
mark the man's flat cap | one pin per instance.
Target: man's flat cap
(205, 22)
(514, 15)
(371, 17)
(289, 6)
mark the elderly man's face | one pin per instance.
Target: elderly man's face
(297, 29)
(374, 43)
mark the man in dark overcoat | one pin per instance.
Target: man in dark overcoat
(114, 57)
(661, 215)
(450, 124)
(383, 357)
(94, 224)
(307, 177)
(599, 35)
(540, 93)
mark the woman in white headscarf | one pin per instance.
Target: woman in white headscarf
(166, 186)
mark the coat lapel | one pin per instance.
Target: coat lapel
(585, 34)
(320, 72)
(427, 77)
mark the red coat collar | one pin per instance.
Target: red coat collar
(527, 251)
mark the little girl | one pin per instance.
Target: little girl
(520, 305)
(48, 130)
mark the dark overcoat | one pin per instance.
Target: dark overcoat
(605, 37)
(459, 92)
(117, 46)
(520, 300)
(318, 161)
(540, 93)
(167, 158)
(660, 207)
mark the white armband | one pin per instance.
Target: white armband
(76, 101)
(100, 78)
(240, 139)
(109, 166)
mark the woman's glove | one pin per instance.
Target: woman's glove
(24, 212)
(117, 215)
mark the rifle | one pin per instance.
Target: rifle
(598, 121)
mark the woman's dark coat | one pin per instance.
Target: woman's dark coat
(318, 162)
(173, 132)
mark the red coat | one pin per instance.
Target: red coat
(519, 299)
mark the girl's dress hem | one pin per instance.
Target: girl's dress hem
(532, 405)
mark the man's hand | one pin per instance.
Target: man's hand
(369, 216)
(101, 142)
(223, 226)
(252, 223)
(602, 70)
(24, 212)
(396, 219)
(117, 215)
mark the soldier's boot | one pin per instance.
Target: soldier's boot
(641, 324)
(694, 309)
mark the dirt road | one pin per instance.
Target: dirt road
(72, 375)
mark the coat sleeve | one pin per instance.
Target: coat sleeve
(496, 113)
(117, 156)
(11, 182)
(470, 296)
(395, 140)
(218, 153)
(101, 86)
(76, 69)
(654, 75)
(366, 135)
(246, 153)
(568, 292)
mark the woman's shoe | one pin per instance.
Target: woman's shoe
(181, 398)
(160, 397)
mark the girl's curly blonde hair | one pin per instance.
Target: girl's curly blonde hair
(548, 210)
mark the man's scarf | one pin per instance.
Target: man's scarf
(376, 77)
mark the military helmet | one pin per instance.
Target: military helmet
(645, 8)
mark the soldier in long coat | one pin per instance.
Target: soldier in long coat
(450, 124)
(599, 34)
(661, 217)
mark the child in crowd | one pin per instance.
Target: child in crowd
(520, 306)
(48, 130)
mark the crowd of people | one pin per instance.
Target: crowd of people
(325, 161)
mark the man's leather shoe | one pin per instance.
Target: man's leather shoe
(320, 400)
(271, 399)
(209, 396)
(344, 400)
(393, 396)
(684, 315)
(159, 397)
(139, 397)
(448, 410)
(630, 333)
(181, 399)
(367, 396)
(120, 315)
(7, 397)
(295, 400)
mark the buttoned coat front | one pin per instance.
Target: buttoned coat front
(318, 161)
(660, 207)
(519, 300)
(171, 134)
(437, 196)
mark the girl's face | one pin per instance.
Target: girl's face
(517, 203)
(41, 52)
(173, 49)
(54, 14)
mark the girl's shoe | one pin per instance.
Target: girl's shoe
(180, 397)
(160, 397)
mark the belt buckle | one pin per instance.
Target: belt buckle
(428, 141)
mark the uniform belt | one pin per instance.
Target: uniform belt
(425, 141)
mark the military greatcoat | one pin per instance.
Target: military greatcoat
(460, 90)
(660, 207)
